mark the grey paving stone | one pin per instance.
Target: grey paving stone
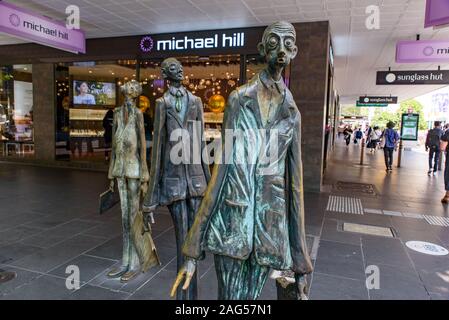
(269, 291)
(372, 219)
(166, 238)
(158, 288)
(340, 259)
(111, 249)
(10, 253)
(47, 259)
(207, 285)
(53, 236)
(428, 262)
(41, 288)
(22, 277)
(167, 255)
(48, 222)
(327, 287)
(89, 267)
(45, 240)
(438, 296)
(162, 222)
(89, 292)
(381, 250)
(398, 283)
(18, 233)
(332, 232)
(111, 229)
(436, 280)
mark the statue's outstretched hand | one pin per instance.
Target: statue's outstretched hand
(187, 270)
(301, 286)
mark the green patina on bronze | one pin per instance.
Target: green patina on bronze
(128, 166)
(252, 216)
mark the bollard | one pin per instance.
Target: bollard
(400, 153)
(362, 153)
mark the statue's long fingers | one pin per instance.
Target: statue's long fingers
(176, 284)
(187, 282)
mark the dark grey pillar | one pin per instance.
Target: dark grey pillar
(309, 74)
(44, 111)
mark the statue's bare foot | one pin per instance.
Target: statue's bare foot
(129, 275)
(117, 272)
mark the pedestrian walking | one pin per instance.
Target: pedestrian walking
(444, 146)
(433, 141)
(347, 134)
(374, 137)
(358, 136)
(391, 138)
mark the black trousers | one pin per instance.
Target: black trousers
(388, 154)
(183, 214)
(446, 172)
(434, 157)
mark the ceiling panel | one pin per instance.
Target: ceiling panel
(359, 52)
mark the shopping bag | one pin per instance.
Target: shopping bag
(108, 199)
(144, 244)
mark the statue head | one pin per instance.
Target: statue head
(172, 70)
(131, 89)
(278, 44)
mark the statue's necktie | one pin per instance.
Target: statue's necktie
(178, 103)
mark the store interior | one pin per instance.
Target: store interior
(85, 91)
(16, 111)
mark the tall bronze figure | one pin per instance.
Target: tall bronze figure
(252, 217)
(180, 185)
(128, 166)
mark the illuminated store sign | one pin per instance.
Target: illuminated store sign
(177, 43)
(28, 25)
(422, 51)
(415, 77)
(437, 13)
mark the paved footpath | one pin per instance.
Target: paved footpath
(49, 221)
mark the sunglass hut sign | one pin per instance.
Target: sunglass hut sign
(223, 40)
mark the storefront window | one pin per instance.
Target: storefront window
(212, 78)
(86, 95)
(16, 110)
(254, 64)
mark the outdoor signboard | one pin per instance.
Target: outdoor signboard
(33, 27)
(378, 99)
(413, 77)
(362, 104)
(422, 51)
(437, 13)
(409, 126)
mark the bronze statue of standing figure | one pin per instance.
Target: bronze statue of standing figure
(129, 167)
(178, 182)
(252, 216)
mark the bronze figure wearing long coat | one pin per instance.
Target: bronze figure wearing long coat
(252, 217)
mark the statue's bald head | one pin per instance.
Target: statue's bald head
(131, 89)
(282, 27)
(278, 44)
(171, 69)
(169, 61)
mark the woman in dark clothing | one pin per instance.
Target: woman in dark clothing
(347, 134)
(108, 121)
